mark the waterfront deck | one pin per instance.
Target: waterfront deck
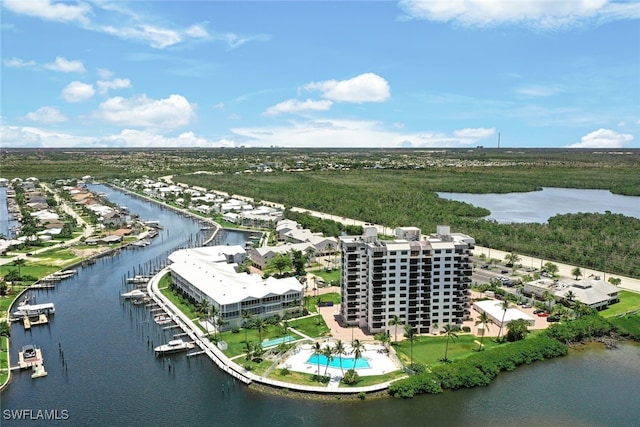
(29, 322)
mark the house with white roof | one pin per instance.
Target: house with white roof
(261, 256)
(498, 315)
(210, 273)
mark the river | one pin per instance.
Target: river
(98, 351)
(539, 206)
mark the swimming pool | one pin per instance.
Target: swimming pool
(347, 362)
(277, 341)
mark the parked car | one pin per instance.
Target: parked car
(543, 314)
(504, 271)
(484, 266)
(553, 319)
(526, 305)
(538, 311)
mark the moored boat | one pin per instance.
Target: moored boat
(134, 294)
(174, 346)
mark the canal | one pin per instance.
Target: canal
(98, 352)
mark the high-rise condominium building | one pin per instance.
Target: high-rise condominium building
(422, 280)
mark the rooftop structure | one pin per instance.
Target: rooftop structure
(592, 291)
(210, 273)
(498, 315)
(423, 282)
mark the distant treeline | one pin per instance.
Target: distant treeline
(327, 227)
(604, 242)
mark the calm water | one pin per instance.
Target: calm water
(110, 376)
(539, 206)
(5, 221)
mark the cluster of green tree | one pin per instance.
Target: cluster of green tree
(479, 369)
(604, 242)
(327, 227)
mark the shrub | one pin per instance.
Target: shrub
(362, 395)
(235, 330)
(351, 377)
(284, 372)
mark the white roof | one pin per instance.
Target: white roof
(494, 309)
(282, 249)
(218, 280)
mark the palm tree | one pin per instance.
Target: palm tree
(410, 334)
(484, 321)
(395, 321)
(570, 296)
(261, 326)
(339, 349)
(317, 351)
(203, 308)
(576, 272)
(358, 347)
(450, 331)
(548, 297)
(327, 352)
(504, 306)
(517, 329)
(19, 262)
(246, 316)
(512, 258)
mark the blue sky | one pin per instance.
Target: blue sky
(451, 73)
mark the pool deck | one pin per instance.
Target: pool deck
(235, 370)
(379, 361)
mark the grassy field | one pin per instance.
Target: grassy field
(376, 379)
(311, 326)
(4, 362)
(333, 297)
(629, 301)
(183, 305)
(429, 350)
(629, 324)
(236, 341)
(332, 276)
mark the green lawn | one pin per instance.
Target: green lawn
(332, 276)
(629, 324)
(428, 350)
(331, 296)
(629, 301)
(313, 326)
(4, 364)
(376, 379)
(297, 377)
(183, 305)
(236, 341)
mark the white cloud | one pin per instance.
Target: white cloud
(367, 87)
(155, 36)
(49, 11)
(13, 136)
(46, 115)
(137, 138)
(104, 73)
(603, 138)
(474, 133)
(77, 92)
(64, 65)
(537, 91)
(105, 85)
(197, 31)
(353, 133)
(143, 112)
(295, 106)
(18, 63)
(548, 14)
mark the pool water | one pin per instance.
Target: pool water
(347, 362)
(277, 341)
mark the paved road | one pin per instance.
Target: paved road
(87, 229)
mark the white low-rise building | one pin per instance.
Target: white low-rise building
(210, 273)
(498, 315)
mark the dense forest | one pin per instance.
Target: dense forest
(392, 187)
(606, 242)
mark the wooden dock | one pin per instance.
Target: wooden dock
(28, 323)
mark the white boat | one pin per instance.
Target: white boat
(32, 310)
(134, 294)
(174, 346)
(162, 319)
(138, 279)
